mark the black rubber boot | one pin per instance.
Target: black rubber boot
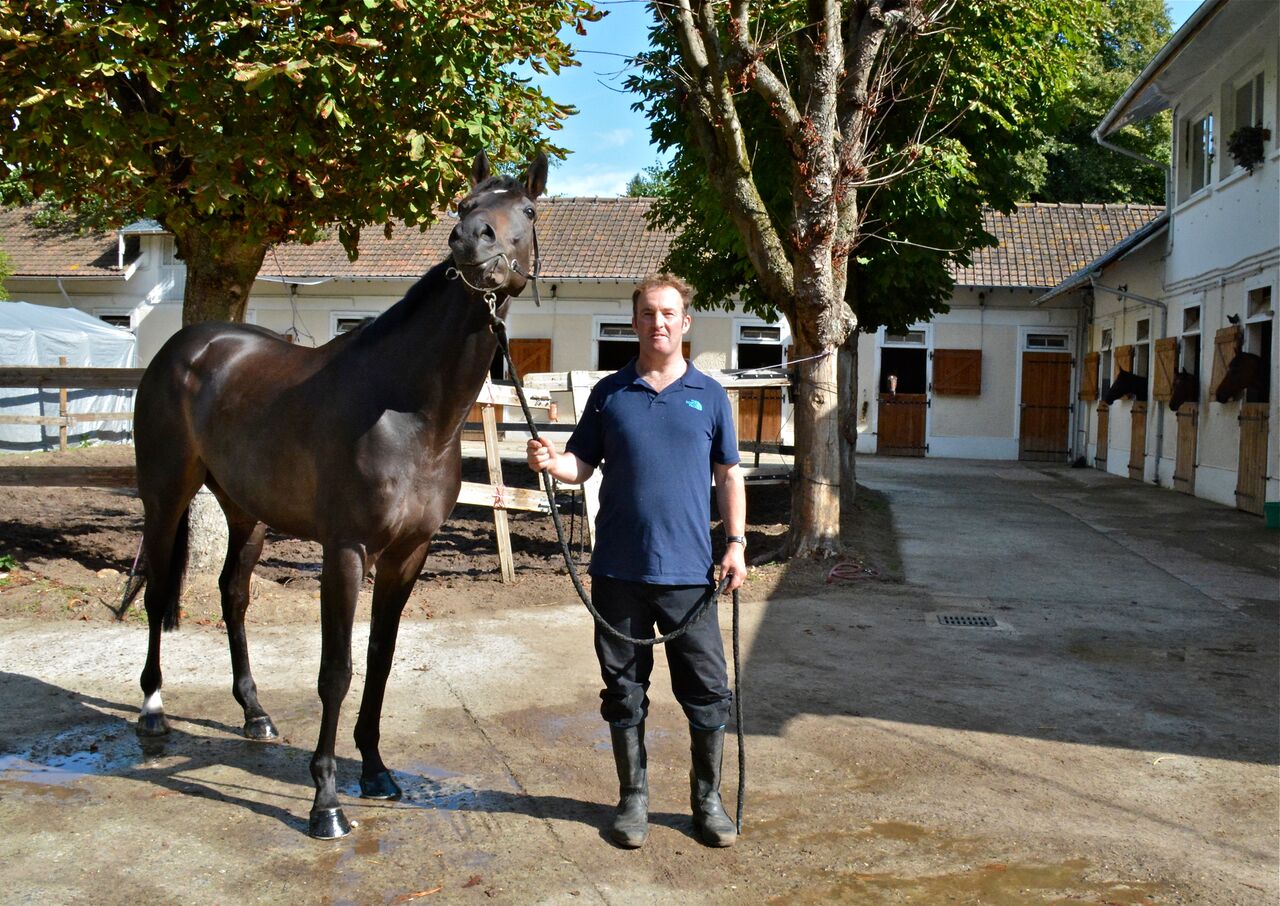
(631, 824)
(712, 825)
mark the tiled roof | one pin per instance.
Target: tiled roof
(54, 251)
(605, 238)
(1042, 244)
(608, 239)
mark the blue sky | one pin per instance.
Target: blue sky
(610, 142)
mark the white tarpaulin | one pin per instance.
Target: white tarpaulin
(36, 335)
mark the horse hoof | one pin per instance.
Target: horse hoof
(260, 728)
(328, 824)
(152, 725)
(380, 786)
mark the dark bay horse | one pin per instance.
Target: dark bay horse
(1244, 372)
(354, 444)
(1127, 384)
(1186, 389)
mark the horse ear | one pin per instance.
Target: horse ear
(535, 181)
(479, 170)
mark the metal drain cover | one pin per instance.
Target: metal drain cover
(967, 619)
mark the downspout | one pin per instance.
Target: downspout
(1164, 331)
(63, 290)
(1142, 158)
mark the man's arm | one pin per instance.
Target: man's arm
(731, 497)
(542, 457)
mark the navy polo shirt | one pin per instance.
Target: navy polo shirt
(657, 450)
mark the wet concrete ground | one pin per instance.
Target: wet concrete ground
(1114, 738)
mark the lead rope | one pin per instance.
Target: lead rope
(500, 331)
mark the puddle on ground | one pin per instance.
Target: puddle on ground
(432, 787)
(73, 755)
(993, 884)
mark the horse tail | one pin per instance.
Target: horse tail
(177, 571)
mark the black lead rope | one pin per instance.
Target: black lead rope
(500, 330)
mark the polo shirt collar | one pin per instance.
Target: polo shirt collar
(692, 377)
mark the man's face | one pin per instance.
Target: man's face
(660, 322)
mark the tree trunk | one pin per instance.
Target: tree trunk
(221, 268)
(848, 377)
(815, 493)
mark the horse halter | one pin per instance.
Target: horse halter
(489, 296)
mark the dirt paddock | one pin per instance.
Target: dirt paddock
(1109, 735)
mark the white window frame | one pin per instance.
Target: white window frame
(1189, 333)
(598, 323)
(740, 327)
(1206, 146)
(103, 313)
(336, 316)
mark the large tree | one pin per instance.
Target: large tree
(237, 125)
(804, 130)
(1076, 167)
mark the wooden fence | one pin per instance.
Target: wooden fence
(495, 495)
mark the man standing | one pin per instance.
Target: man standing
(661, 428)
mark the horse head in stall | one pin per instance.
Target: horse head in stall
(1127, 384)
(1244, 373)
(355, 444)
(1186, 389)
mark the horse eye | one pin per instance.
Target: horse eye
(530, 212)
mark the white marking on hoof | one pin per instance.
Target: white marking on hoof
(152, 704)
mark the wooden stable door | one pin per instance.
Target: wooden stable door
(1184, 467)
(530, 356)
(1251, 475)
(1044, 432)
(1104, 437)
(1138, 441)
(901, 424)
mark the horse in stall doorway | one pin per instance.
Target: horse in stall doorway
(1244, 372)
(1126, 384)
(1185, 389)
(355, 444)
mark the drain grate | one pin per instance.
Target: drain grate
(967, 619)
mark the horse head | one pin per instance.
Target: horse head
(1243, 372)
(1186, 389)
(1126, 384)
(493, 242)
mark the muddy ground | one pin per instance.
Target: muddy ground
(72, 549)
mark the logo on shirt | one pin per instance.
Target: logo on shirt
(693, 404)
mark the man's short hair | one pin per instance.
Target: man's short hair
(660, 281)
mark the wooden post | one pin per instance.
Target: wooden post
(580, 385)
(759, 423)
(492, 458)
(62, 409)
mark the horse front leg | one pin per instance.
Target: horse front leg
(343, 571)
(392, 586)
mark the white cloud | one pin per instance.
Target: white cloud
(571, 180)
(614, 138)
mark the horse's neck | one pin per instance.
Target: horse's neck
(431, 352)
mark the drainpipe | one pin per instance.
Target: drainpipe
(1141, 158)
(63, 290)
(1164, 331)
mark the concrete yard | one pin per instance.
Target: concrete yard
(1113, 739)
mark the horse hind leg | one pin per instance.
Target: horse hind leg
(164, 543)
(246, 536)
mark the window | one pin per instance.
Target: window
(1047, 341)
(910, 338)
(1249, 103)
(1260, 302)
(115, 317)
(1199, 152)
(1142, 349)
(1190, 318)
(1189, 348)
(1105, 370)
(761, 335)
(347, 323)
(615, 345)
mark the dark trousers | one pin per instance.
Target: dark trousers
(696, 659)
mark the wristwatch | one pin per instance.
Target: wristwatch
(738, 538)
